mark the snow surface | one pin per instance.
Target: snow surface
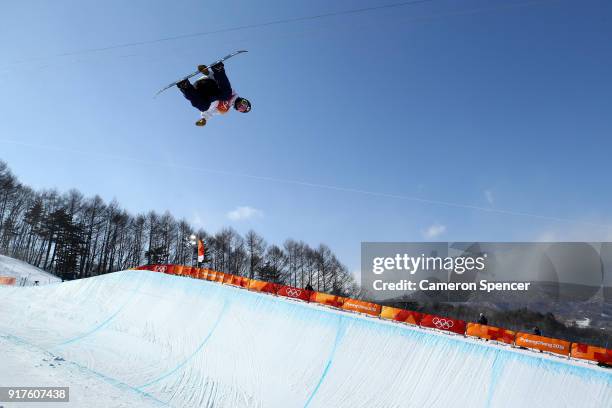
(24, 273)
(158, 339)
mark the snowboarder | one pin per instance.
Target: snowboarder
(212, 94)
(482, 319)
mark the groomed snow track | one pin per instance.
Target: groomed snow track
(172, 341)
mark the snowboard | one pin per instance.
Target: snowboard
(228, 56)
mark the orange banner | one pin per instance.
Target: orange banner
(7, 280)
(586, 352)
(183, 270)
(218, 276)
(400, 315)
(542, 343)
(205, 273)
(236, 281)
(261, 286)
(326, 299)
(360, 306)
(294, 293)
(490, 333)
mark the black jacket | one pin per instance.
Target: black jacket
(208, 90)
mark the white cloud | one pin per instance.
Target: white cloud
(244, 213)
(489, 196)
(434, 231)
(595, 232)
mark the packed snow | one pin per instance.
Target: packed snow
(155, 339)
(24, 273)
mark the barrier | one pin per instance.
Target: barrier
(207, 274)
(218, 276)
(157, 268)
(184, 271)
(490, 333)
(400, 315)
(7, 280)
(592, 353)
(360, 306)
(261, 286)
(443, 323)
(294, 293)
(235, 280)
(541, 343)
(327, 299)
(152, 268)
(556, 346)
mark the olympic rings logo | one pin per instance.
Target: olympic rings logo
(292, 292)
(441, 323)
(160, 268)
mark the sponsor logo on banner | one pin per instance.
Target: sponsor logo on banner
(442, 323)
(160, 268)
(549, 344)
(292, 292)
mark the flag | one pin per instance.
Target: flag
(200, 251)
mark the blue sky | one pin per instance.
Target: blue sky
(502, 110)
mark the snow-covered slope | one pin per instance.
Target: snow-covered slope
(167, 340)
(24, 273)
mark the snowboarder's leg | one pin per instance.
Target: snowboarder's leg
(202, 121)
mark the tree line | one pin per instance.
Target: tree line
(76, 237)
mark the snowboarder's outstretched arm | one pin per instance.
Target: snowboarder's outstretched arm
(225, 88)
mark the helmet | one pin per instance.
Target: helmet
(242, 105)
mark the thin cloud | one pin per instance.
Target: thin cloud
(434, 231)
(244, 213)
(489, 196)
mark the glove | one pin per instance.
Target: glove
(201, 122)
(203, 69)
(218, 67)
(184, 84)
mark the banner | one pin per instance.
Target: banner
(592, 353)
(212, 275)
(7, 280)
(490, 333)
(201, 250)
(542, 343)
(152, 268)
(183, 270)
(360, 306)
(218, 276)
(443, 323)
(235, 280)
(261, 286)
(294, 293)
(206, 273)
(326, 299)
(158, 268)
(400, 315)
